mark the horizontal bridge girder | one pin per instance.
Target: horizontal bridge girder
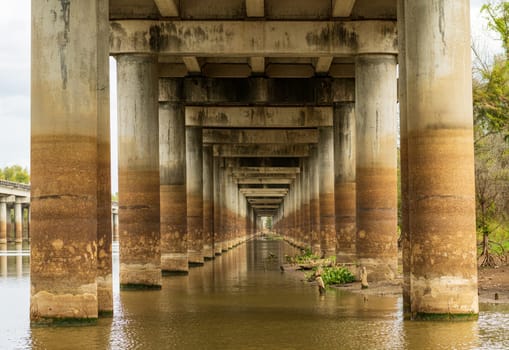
(249, 171)
(260, 151)
(259, 117)
(265, 200)
(274, 136)
(261, 206)
(264, 181)
(253, 38)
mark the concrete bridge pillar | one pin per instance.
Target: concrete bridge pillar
(443, 273)
(194, 175)
(376, 165)
(18, 221)
(305, 204)
(326, 178)
(208, 202)
(223, 205)
(218, 234)
(344, 181)
(104, 227)
(64, 112)
(114, 225)
(172, 153)
(314, 201)
(3, 221)
(138, 175)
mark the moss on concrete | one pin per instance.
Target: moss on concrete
(423, 316)
(63, 322)
(134, 286)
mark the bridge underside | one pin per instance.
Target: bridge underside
(234, 110)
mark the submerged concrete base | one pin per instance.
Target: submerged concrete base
(208, 252)
(105, 295)
(140, 276)
(174, 262)
(64, 309)
(380, 269)
(195, 258)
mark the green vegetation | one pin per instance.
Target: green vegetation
(336, 275)
(305, 257)
(491, 129)
(15, 173)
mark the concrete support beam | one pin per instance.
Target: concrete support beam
(327, 207)
(192, 64)
(167, 8)
(64, 83)
(257, 65)
(342, 8)
(259, 117)
(253, 38)
(104, 217)
(265, 200)
(138, 175)
(270, 136)
(194, 175)
(208, 203)
(264, 192)
(323, 64)
(172, 153)
(263, 91)
(344, 182)
(255, 8)
(252, 171)
(218, 236)
(257, 151)
(263, 181)
(441, 160)
(376, 165)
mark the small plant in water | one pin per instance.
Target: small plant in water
(336, 275)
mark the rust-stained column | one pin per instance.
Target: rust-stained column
(63, 264)
(194, 175)
(326, 178)
(314, 200)
(403, 158)
(208, 202)
(104, 232)
(344, 182)
(305, 204)
(376, 165)
(223, 205)
(218, 234)
(441, 160)
(172, 153)
(138, 173)
(18, 221)
(3, 221)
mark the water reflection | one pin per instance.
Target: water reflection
(240, 300)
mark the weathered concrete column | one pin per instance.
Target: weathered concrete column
(441, 160)
(376, 168)
(115, 224)
(18, 221)
(3, 221)
(218, 234)
(208, 202)
(326, 176)
(194, 175)
(403, 159)
(344, 181)
(314, 200)
(64, 110)
(138, 173)
(223, 205)
(305, 204)
(172, 153)
(104, 229)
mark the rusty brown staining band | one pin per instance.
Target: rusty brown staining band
(377, 219)
(173, 228)
(442, 203)
(327, 224)
(345, 201)
(139, 212)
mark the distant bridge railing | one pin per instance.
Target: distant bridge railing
(15, 185)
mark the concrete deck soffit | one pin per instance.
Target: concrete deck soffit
(274, 136)
(260, 151)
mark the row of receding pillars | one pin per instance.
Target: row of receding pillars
(70, 253)
(16, 230)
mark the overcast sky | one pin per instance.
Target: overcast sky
(15, 80)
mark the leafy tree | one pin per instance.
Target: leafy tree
(15, 173)
(491, 127)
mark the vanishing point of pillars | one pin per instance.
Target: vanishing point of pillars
(179, 201)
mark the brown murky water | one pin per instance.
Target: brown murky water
(241, 300)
